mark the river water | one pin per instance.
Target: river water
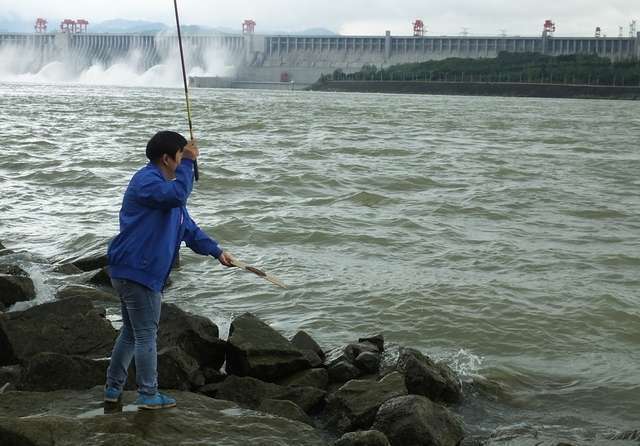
(500, 234)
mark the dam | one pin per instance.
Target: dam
(302, 59)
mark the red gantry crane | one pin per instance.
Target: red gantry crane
(41, 25)
(549, 28)
(418, 28)
(248, 26)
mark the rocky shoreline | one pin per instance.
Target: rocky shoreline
(256, 387)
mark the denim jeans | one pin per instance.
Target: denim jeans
(137, 338)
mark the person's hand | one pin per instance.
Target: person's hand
(226, 259)
(191, 150)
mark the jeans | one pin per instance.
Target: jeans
(137, 338)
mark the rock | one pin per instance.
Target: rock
(377, 340)
(318, 378)
(312, 357)
(89, 293)
(101, 278)
(352, 351)
(75, 418)
(69, 326)
(178, 370)
(285, 409)
(5, 251)
(354, 405)
(368, 362)
(45, 372)
(257, 350)
(250, 392)
(15, 285)
(342, 371)
(195, 335)
(91, 263)
(424, 377)
(415, 420)
(303, 341)
(67, 268)
(363, 438)
(212, 375)
(10, 374)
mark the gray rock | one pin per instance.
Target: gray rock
(377, 340)
(45, 372)
(285, 409)
(257, 350)
(250, 392)
(303, 341)
(342, 371)
(354, 405)
(70, 327)
(195, 335)
(75, 418)
(318, 378)
(15, 285)
(363, 438)
(101, 278)
(212, 375)
(425, 377)
(352, 351)
(67, 268)
(368, 362)
(87, 292)
(91, 263)
(312, 357)
(417, 421)
(10, 374)
(178, 370)
(5, 251)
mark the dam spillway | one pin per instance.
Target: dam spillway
(265, 58)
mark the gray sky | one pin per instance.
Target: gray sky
(516, 17)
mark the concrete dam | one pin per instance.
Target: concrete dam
(271, 58)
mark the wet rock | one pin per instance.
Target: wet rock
(91, 263)
(195, 335)
(318, 378)
(11, 375)
(101, 278)
(73, 418)
(285, 409)
(303, 341)
(352, 351)
(368, 362)
(212, 375)
(178, 370)
(312, 357)
(68, 269)
(363, 438)
(45, 372)
(15, 285)
(377, 340)
(415, 420)
(89, 293)
(250, 392)
(70, 327)
(5, 251)
(342, 371)
(354, 405)
(257, 350)
(425, 377)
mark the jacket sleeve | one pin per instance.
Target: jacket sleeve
(198, 240)
(156, 192)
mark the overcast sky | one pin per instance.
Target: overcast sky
(489, 17)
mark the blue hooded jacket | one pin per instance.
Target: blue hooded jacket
(153, 223)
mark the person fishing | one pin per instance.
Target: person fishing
(153, 223)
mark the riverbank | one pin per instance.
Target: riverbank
(505, 89)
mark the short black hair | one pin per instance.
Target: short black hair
(165, 142)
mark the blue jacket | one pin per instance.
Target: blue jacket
(153, 223)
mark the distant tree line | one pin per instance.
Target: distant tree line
(507, 67)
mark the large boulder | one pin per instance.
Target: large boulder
(285, 409)
(10, 375)
(303, 341)
(178, 370)
(4, 251)
(45, 372)
(251, 392)
(195, 335)
(76, 418)
(343, 371)
(354, 405)
(257, 350)
(318, 378)
(89, 293)
(70, 327)
(91, 262)
(101, 278)
(415, 420)
(15, 285)
(363, 438)
(425, 377)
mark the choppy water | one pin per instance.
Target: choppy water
(501, 234)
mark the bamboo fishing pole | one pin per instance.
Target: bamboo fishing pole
(196, 174)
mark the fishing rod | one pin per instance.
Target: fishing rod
(196, 174)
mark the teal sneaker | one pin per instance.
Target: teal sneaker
(112, 395)
(157, 401)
